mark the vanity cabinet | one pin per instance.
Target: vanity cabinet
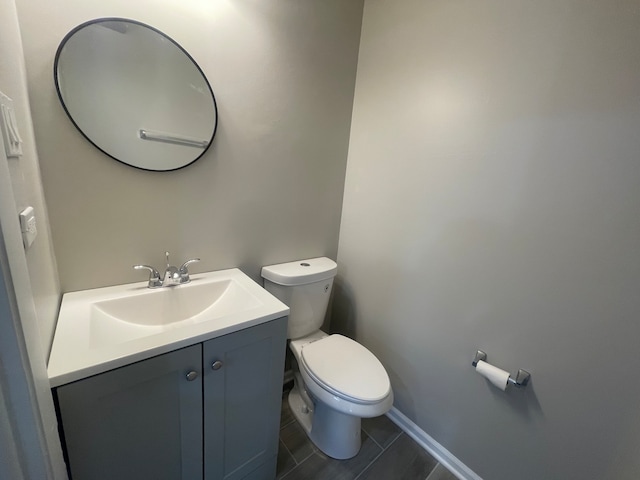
(209, 411)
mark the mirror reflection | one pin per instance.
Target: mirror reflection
(135, 94)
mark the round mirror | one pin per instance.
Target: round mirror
(135, 94)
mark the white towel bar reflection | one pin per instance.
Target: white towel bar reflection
(177, 140)
(521, 380)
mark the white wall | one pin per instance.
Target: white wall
(268, 190)
(491, 202)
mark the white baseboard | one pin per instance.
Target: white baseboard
(437, 451)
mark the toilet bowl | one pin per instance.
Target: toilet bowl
(337, 381)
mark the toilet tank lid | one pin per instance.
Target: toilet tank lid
(301, 272)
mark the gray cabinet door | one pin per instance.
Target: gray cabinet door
(242, 399)
(142, 421)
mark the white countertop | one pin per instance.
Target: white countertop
(90, 340)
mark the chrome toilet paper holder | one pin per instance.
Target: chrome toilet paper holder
(522, 377)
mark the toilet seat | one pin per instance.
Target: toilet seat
(346, 369)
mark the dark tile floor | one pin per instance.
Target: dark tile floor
(387, 453)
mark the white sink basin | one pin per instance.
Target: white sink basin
(164, 306)
(110, 327)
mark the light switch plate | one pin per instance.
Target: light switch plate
(9, 127)
(28, 226)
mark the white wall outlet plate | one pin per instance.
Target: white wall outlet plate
(9, 127)
(28, 226)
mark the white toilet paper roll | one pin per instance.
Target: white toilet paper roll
(495, 375)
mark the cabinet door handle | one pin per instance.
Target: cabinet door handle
(217, 365)
(192, 375)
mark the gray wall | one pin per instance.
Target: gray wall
(26, 180)
(270, 188)
(491, 201)
(29, 287)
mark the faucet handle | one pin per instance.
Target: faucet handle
(154, 275)
(183, 268)
(184, 272)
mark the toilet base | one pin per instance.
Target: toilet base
(336, 434)
(301, 411)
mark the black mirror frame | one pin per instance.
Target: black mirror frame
(135, 22)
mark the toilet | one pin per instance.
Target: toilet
(337, 381)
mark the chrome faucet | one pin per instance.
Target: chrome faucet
(172, 275)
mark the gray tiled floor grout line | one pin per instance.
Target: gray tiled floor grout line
(287, 424)
(383, 449)
(289, 452)
(370, 463)
(373, 440)
(376, 442)
(431, 472)
(297, 464)
(307, 457)
(287, 474)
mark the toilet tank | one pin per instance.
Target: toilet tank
(304, 286)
